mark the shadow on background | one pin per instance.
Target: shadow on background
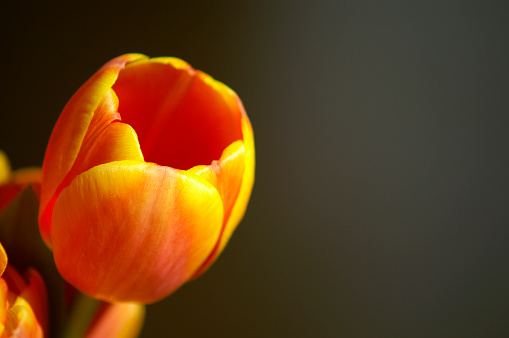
(380, 205)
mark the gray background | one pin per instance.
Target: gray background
(380, 205)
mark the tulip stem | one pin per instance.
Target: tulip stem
(81, 315)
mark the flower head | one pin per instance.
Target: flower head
(147, 173)
(23, 302)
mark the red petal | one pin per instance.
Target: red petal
(183, 117)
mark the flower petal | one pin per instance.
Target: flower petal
(240, 206)
(226, 175)
(106, 140)
(35, 294)
(3, 259)
(182, 116)
(72, 125)
(148, 90)
(233, 175)
(21, 321)
(138, 230)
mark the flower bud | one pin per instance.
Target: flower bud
(147, 173)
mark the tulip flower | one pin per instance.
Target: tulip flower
(11, 183)
(147, 173)
(23, 302)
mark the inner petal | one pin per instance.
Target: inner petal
(183, 117)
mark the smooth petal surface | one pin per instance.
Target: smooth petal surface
(226, 176)
(69, 132)
(233, 176)
(188, 119)
(118, 320)
(165, 220)
(105, 140)
(239, 209)
(182, 116)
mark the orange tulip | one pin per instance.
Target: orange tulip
(147, 173)
(23, 302)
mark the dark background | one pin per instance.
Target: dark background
(381, 204)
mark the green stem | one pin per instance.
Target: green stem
(82, 312)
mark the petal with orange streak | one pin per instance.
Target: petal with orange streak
(118, 320)
(201, 126)
(73, 123)
(134, 231)
(236, 212)
(182, 116)
(106, 140)
(148, 91)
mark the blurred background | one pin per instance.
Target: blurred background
(381, 201)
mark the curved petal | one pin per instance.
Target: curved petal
(226, 175)
(106, 140)
(239, 209)
(21, 321)
(26, 315)
(134, 231)
(148, 90)
(118, 320)
(72, 125)
(238, 188)
(182, 116)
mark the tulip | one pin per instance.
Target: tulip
(12, 183)
(147, 173)
(23, 302)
